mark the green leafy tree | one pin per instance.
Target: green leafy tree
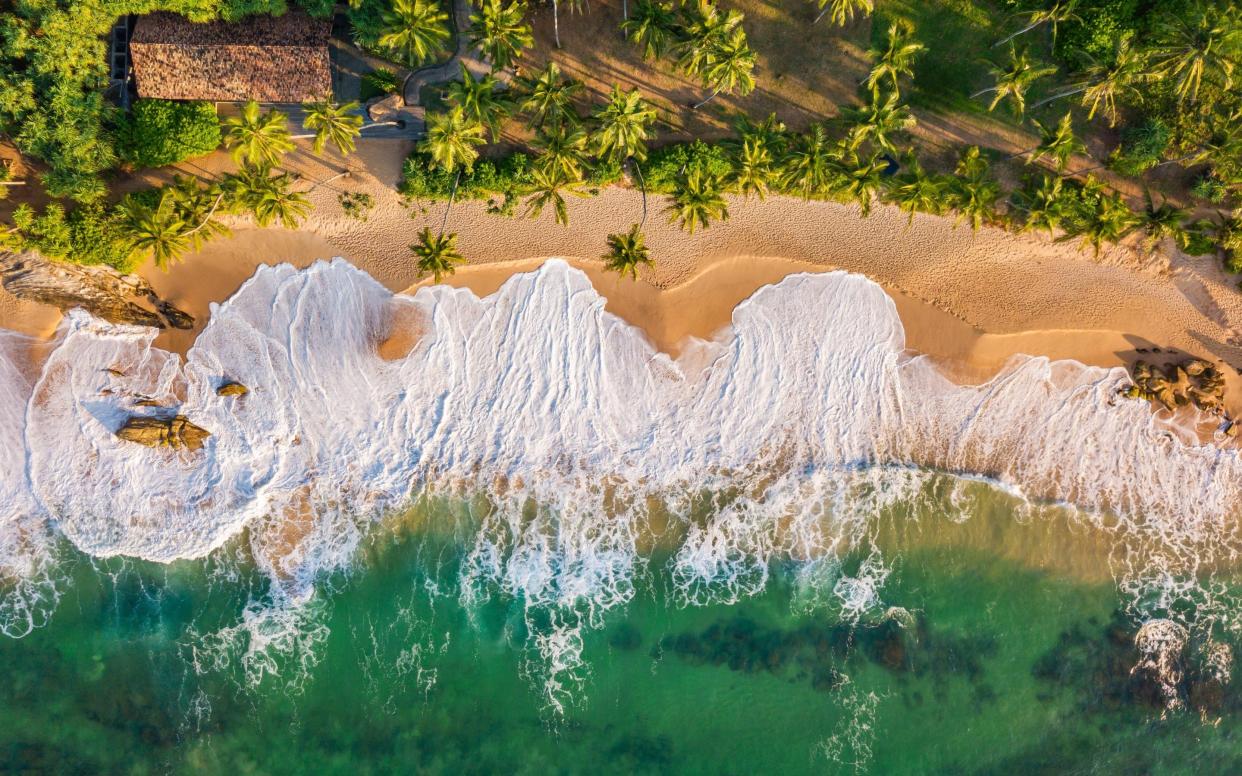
(627, 252)
(549, 187)
(624, 122)
(436, 254)
(548, 96)
(653, 26)
(500, 31)
(896, 59)
(154, 231)
(414, 30)
(333, 123)
(257, 138)
(698, 200)
(159, 132)
(842, 12)
(1014, 80)
(479, 100)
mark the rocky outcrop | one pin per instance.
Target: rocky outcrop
(1194, 382)
(232, 389)
(176, 432)
(101, 291)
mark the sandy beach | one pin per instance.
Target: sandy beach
(969, 300)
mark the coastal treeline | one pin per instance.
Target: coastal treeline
(1152, 84)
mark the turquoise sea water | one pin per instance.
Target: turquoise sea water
(998, 643)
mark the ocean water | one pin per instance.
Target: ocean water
(535, 545)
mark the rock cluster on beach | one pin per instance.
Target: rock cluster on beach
(176, 432)
(101, 291)
(1194, 381)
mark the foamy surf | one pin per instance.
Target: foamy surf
(790, 434)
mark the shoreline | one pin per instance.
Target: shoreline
(970, 301)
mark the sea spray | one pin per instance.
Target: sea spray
(782, 439)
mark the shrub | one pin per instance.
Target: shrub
(1095, 32)
(356, 204)
(1142, 147)
(378, 83)
(665, 165)
(1198, 238)
(88, 234)
(508, 174)
(1210, 187)
(158, 132)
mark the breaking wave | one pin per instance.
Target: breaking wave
(575, 446)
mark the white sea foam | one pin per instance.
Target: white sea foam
(783, 439)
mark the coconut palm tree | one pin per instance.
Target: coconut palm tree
(268, 198)
(1014, 80)
(332, 123)
(753, 168)
(562, 147)
(197, 206)
(624, 121)
(1106, 82)
(627, 252)
(548, 97)
(896, 59)
(731, 68)
(500, 32)
(1058, 13)
(842, 12)
(414, 30)
(697, 200)
(915, 191)
(1043, 204)
(1058, 143)
(549, 187)
(652, 26)
(1161, 221)
(861, 180)
(451, 139)
(877, 123)
(436, 254)
(808, 167)
(972, 191)
(1203, 44)
(1110, 221)
(153, 231)
(260, 139)
(703, 30)
(479, 99)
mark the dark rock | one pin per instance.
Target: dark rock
(101, 291)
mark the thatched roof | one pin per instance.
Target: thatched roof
(264, 58)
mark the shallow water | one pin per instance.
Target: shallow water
(533, 544)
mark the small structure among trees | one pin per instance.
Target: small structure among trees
(274, 59)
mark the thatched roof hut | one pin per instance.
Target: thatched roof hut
(264, 58)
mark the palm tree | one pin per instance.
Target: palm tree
(500, 32)
(257, 139)
(697, 200)
(549, 187)
(915, 191)
(548, 96)
(1044, 204)
(1059, 12)
(563, 147)
(415, 30)
(268, 198)
(808, 167)
(652, 26)
(896, 59)
(1104, 83)
(1058, 144)
(753, 168)
(451, 139)
(333, 123)
(1202, 44)
(731, 68)
(1014, 80)
(479, 100)
(878, 123)
(843, 11)
(973, 193)
(623, 125)
(437, 253)
(1161, 221)
(1111, 220)
(196, 207)
(703, 30)
(627, 252)
(862, 181)
(154, 231)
